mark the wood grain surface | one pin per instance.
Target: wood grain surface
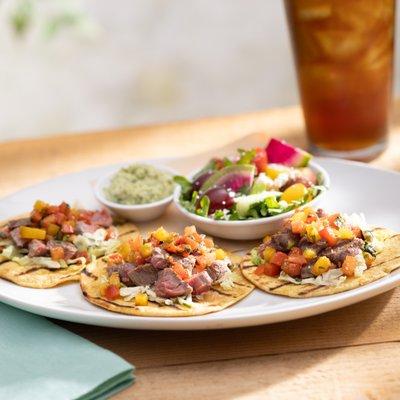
(352, 353)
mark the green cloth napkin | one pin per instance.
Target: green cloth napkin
(40, 360)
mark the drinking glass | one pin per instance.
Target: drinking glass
(344, 59)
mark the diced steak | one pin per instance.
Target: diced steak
(159, 259)
(15, 223)
(306, 272)
(69, 248)
(316, 246)
(16, 237)
(4, 232)
(143, 275)
(169, 285)
(82, 227)
(37, 248)
(218, 270)
(338, 253)
(283, 241)
(200, 282)
(123, 271)
(101, 218)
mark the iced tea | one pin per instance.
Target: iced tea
(344, 57)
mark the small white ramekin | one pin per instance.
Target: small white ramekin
(135, 212)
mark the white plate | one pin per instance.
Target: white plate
(354, 188)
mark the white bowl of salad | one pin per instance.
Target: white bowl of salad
(247, 196)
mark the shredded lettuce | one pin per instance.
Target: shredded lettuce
(9, 252)
(333, 277)
(255, 258)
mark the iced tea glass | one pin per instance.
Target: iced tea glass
(344, 57)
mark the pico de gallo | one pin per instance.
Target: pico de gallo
(166, 268)
(56, 236)
(314, 247)
(255, 183)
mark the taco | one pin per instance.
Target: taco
(165, 275)
(53, 243)
(318, 254)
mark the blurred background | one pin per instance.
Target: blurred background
(81, 65)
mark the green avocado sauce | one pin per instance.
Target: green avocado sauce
(139, 184)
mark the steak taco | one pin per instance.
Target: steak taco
(166, 275)
(53, 243)
(317, 254)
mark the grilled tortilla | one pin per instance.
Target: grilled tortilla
(386, 261)
(40, 277)
(216, 299)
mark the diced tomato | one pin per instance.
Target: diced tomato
(85, 216)
(60, 218)
(260, 270)
(51, 209)
(180, 270)
(112, 292)
(57, 253)
(115, 258)
(46, 221)
(260, 160)
(298, 227)
(174, 248)
(36, 216)
(278, 258)
(311, 218)
(67, 227)
(208, 242)
(297, 259)
(201, 263)
(64, 208)
(332, 219)
(139, 260)
(295, 251)
(271, 269)
(329, 236)
(291, 269)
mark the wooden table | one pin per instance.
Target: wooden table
(353, 353)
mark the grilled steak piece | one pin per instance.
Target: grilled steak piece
(283, 241)
(169, 285)
(15, 223)
(16, 237)
(37, 248)
(200, 282)
(69, 248)
(316, 246)
(143, 275)
(101, 218)
(123, 271)
(159, 259)
(217, 271)
(306, 272)
(338, 253)
(82, 227)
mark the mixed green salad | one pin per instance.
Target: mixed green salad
(255, 183)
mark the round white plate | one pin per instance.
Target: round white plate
(354, 188)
